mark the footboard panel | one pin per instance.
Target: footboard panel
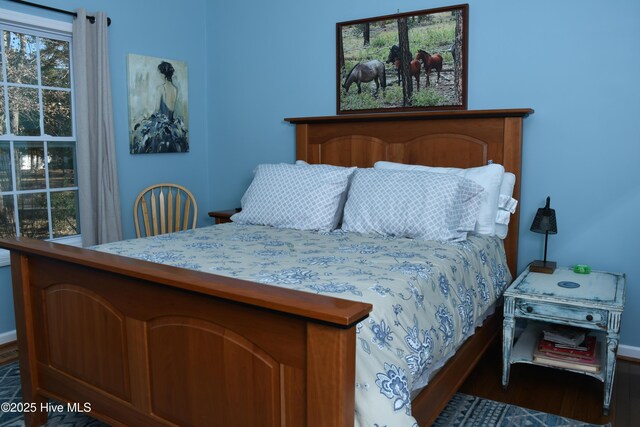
(142, 351)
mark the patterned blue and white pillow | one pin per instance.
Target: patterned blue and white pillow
(384, 202)
(291, 196)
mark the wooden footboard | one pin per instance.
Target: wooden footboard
(147, 344)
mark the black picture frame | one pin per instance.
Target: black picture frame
(371, 72)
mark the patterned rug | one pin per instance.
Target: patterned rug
(465, 410)
(462, 410)
(11, 398)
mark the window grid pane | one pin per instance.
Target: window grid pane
(3, 119)
(38, 182)
(29, 158)
(54, 63)
(64, 213)
(34, 218)
(61, 157)
(57, 112)
(7, 217)
(6, 181)
(24, 111)
(21, 53)
(2, 62)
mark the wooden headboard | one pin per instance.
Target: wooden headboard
(445, 138)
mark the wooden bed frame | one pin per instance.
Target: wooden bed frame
(146, 344)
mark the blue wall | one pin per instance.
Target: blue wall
(575, 62)
(253, 63)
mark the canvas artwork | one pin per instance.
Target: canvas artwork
(404, 62)
(158, 105)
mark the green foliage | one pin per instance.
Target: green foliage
(428, 98)
(389, 97)
(362, 101)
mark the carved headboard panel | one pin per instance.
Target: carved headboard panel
(445, 138)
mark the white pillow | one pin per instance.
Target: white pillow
(384, 202)
(489, 177)
(291, 196)
(506, 205)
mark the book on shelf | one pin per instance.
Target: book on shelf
(569, 361)
(585, 351)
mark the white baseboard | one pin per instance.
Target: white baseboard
(629, 351)
(8, 337)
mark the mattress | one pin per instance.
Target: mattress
(427, 296)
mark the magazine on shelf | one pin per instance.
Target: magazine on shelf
(565, 335)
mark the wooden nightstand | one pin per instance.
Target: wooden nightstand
(536, 299)
(223, 216)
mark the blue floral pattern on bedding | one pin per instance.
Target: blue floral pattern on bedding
(427, 296)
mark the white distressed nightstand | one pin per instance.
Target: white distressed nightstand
(596, 304)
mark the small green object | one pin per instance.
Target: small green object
(581, 269)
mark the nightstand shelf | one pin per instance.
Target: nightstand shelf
(590, 301)
(522, 351)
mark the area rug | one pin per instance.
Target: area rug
(11, 401)
(462, 410)
(465, 410)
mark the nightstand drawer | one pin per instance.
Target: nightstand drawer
(578, 316)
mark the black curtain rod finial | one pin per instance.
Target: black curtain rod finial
(92, 19)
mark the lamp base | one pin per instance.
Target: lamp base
(539, 266)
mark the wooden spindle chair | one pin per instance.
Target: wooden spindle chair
(165, 208)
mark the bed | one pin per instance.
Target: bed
(124, 334)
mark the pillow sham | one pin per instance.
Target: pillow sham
(489, 177)
(506, 201)
(343, 198)
(294, 196)
(384, 202)
(506, 205)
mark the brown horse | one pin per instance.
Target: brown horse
(414, 65)
(429, 62)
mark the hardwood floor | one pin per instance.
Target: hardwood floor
(559, 392)
(8, 352)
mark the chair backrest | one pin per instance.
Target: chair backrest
(165, 208)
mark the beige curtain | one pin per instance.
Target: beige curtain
(99, 196)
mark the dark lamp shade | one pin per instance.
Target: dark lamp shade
(545, 220)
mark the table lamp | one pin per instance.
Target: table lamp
(544, 222)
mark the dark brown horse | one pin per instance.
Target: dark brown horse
(414, 65)
(429, 62)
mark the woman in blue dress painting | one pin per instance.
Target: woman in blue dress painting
(162, 132)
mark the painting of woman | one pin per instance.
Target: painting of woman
(163, 129)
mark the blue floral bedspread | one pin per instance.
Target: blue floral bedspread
(427, 296)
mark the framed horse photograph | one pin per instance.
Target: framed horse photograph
(413, 61)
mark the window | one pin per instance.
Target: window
(38, 180)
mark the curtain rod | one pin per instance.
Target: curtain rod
(91, 19)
